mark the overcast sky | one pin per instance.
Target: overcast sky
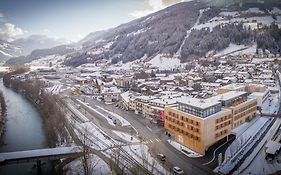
(70, 19)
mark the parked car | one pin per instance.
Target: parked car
(177, 170)
(114, 122)
(162, 157)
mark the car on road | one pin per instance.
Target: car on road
(114, 122)
(162, 157)
(177, 170)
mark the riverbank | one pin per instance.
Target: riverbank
(23, 131)
(54, 122)
(3, 113)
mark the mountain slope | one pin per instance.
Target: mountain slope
(33, 42)
(186, 30)
(8, 50)
(41, 53)
(161, 32)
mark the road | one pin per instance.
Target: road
(151, 134)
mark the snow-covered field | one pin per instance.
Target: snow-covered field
(4, 69)
(261, 60)
(141, 154)
(165, 63)
(97, 165)
(230, 49)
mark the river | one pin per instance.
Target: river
(23, 132)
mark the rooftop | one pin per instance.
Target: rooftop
(227, 96)
(198, 103)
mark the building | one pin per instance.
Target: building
(124, 81)
(200, 123)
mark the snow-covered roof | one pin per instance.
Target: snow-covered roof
(198, 103)
(272, 147)
(228, 96)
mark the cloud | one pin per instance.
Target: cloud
(46, 31)
(154, 5)
(9, 32)
(1, 15)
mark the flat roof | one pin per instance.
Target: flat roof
(198, 103)
(228, 95)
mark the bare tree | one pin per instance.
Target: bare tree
(88, 162)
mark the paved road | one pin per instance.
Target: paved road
(151, 134)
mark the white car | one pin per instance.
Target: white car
(177, 170)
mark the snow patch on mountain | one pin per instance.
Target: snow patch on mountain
(230, 49)
(6, 54)
(164, 62)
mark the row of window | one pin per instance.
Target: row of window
(194, 137)
(189, 127)
(245, 113)
(219, 134)
(222, 125)
(245, 108)
(237, 123)
(188, 120)
(219, 120)
(199, 112)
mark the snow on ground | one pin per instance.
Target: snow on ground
(118, 117)
(56, 89)
(97, 138)
(165, 63)
(249, 50)
(45, 61)
(261, 60)
(275, 10)
(127, 137)
(231, 48)
(210, 24)
(108, 45)
(137, 32)
(253, 10)
(35, 67)
(271, 105)
(4, 69)
(256, 162)
(106, 117)
(6, 54)
(239, 142)
(81, 117)
(141, 154)
(259, 19)
(98, 166)
(188, 152)
(233, 14)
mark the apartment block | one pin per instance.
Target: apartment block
(200, 123)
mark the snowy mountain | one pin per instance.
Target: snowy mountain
(24, 46)
(8, 50)
(37, 54)
(183, 32)
(33, 42)
(186, 31)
